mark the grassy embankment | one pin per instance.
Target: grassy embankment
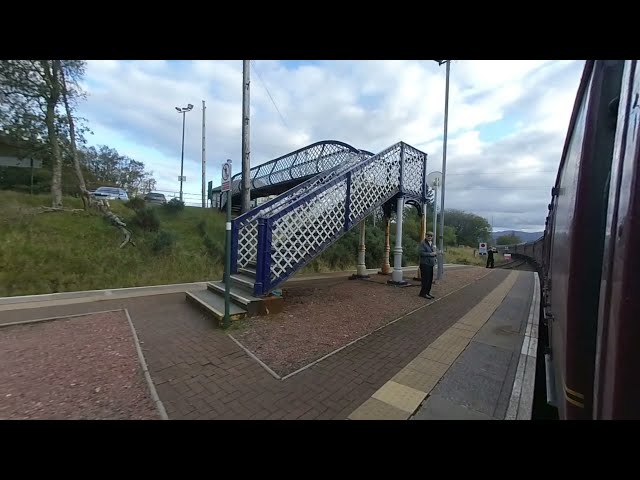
(68, 251)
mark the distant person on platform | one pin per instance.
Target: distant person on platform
(427, 262)
(490, 257)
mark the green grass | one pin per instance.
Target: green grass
(65, 251)
(465, 256)
(73, 251)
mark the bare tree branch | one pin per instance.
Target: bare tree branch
(86, 198)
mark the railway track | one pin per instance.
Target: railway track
(517, 265)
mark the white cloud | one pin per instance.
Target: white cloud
(370, 104)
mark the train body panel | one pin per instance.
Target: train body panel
(586, 261)
(617, 392)
(578, 219)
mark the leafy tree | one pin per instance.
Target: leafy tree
(32, 93)
(469, 228)
(105, 166)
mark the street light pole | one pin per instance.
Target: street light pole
(182, 155)
(204, 161)
(245, 189)
(183, 111)
(444, 172)
(436, 183)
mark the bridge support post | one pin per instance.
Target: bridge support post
(361, 270)
(386, 267)
(396, 276)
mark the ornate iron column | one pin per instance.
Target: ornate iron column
(396, 276)
(361, 270)
(386, 267)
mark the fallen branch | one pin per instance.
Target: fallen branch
(127, 237)
(60, 209)
(103, 205)
(86, 198)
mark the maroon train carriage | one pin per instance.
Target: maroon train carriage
(590, 250)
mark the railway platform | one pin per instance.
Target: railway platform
(468, 355)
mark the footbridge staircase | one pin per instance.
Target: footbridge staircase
(335, 186)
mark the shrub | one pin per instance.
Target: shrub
(147, 219)
(202, 227)
(135, 204)
(163, 242)
(215, 248)
(174, 205)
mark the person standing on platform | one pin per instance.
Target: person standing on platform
(427, 262)
(490, 257)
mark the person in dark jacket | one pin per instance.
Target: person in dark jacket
(427, 262)
(490, 257)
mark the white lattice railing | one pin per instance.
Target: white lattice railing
(296, 232)
(414, 172)
(305, 162)
(333, 157)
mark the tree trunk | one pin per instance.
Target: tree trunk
(56, 179)
(86, 198)
(51, 70)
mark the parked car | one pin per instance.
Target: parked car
(153, 197)
(110, 193)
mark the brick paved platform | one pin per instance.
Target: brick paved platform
(200, 373)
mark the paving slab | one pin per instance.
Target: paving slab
(439, 408)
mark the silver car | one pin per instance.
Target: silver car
(110, 193)
(154, 197)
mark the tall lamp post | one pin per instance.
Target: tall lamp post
(444, 171)
(183, 111)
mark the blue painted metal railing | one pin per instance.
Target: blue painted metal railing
(291, 233)
(333, 157)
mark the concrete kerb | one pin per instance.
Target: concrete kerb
(59, 317)
(145, 370)
(521, 401)
(31, 301)
(260, 362)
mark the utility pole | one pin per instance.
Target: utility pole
(436, 183)
(204, 161)
(434, 180)
(246, 163)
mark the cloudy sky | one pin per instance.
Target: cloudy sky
(507, 120)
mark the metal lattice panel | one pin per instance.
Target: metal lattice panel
(374, 183)
(247, 223)
(302, 163)
(313, 184)
(304, 228)
(413, 171)
(299, 234)
(248, 244)
(304, 221)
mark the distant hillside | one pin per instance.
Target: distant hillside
(524, 236)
